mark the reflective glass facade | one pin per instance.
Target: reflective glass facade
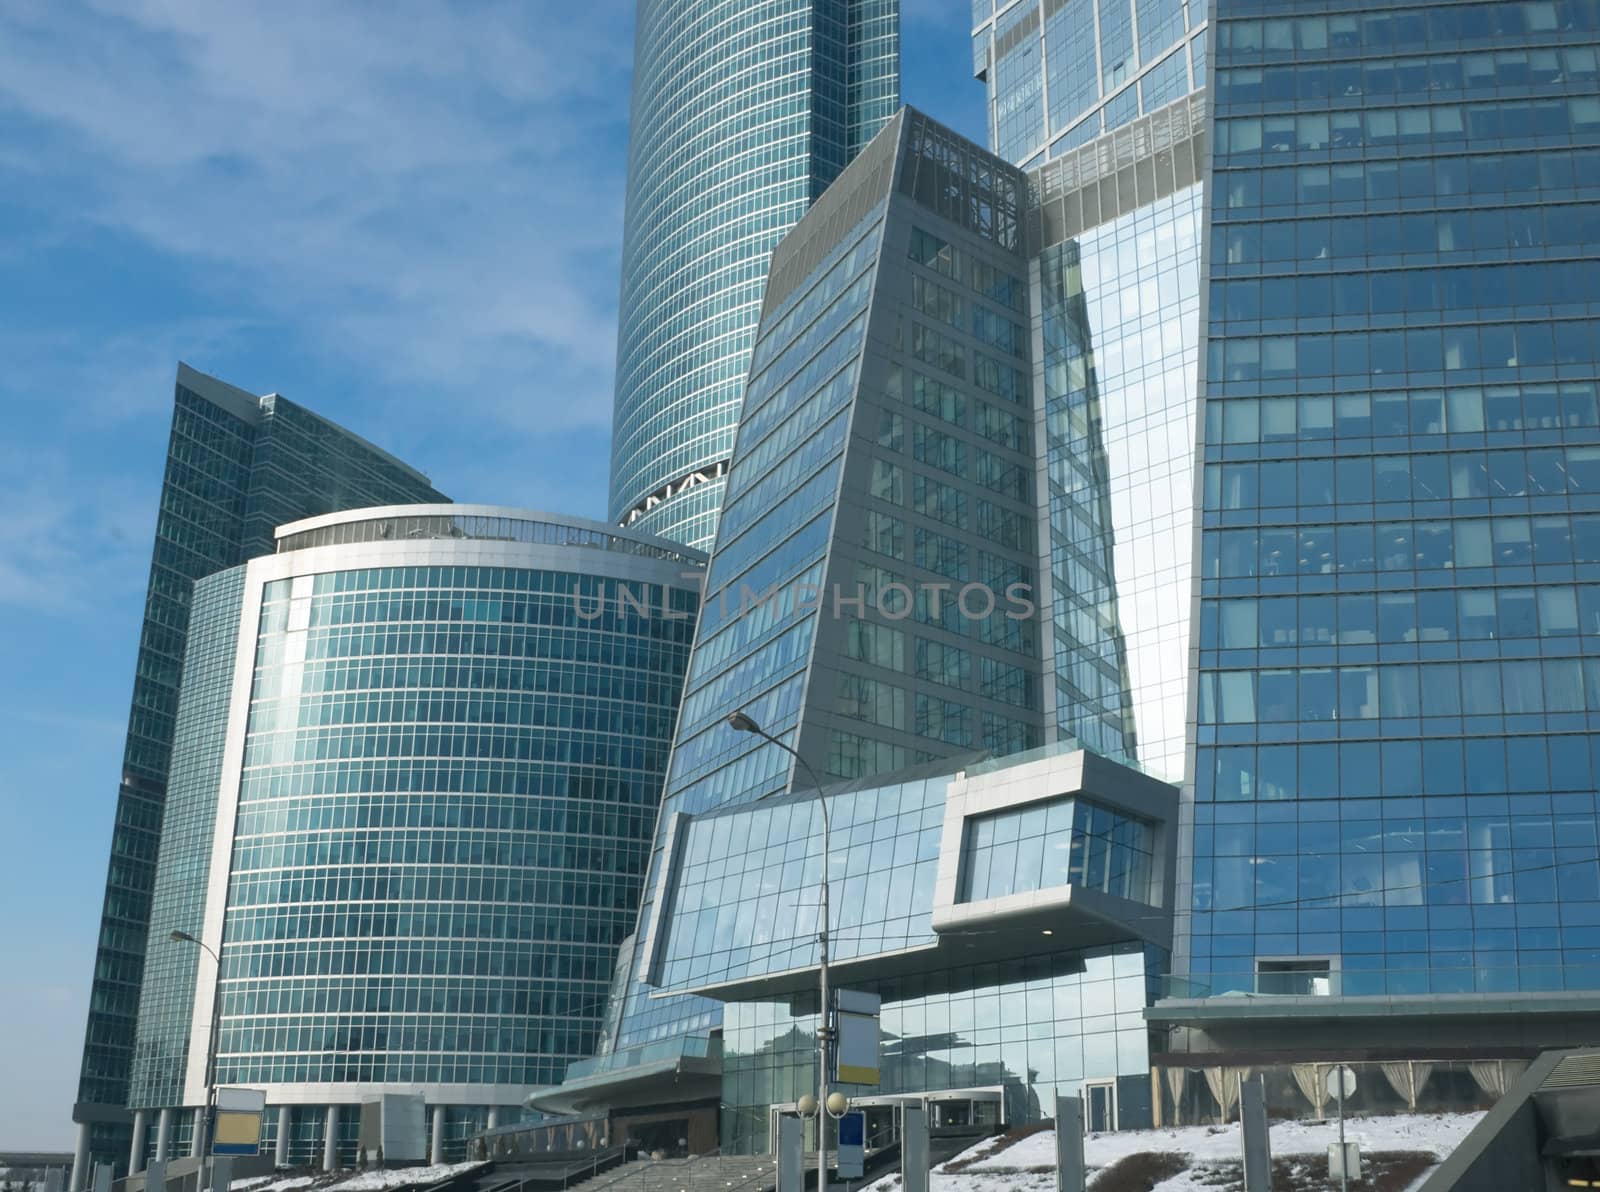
(1062, 72)
(161, 1047)
(1119, 303)
(1028, 1029)
(968, 1009)
(743, 113)
(1395, 767)
(1065, 842)
(448, 752)
(879, 506)
(745, 889)
(237, 464)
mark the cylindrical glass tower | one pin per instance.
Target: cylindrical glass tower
(742, 115)
(416, 772)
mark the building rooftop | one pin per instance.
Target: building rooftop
(481, 522)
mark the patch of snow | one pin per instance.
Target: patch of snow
(399, 1177)
(1437, 1134)
(268, 1183)
(1029, 1165)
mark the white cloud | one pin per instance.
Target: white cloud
(71, 544)
(434, 191)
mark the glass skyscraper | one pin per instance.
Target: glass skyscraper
(742, 115)
(1309, 392)
(950, 405)
(237, 465)
(1061, 72)
(1397, 687)
(892, 360)
(417, 761)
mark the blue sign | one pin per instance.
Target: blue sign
(852, 1145)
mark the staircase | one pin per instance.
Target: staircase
(704, 1173)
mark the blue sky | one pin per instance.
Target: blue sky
(403, 216)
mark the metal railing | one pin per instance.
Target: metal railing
(1384, 982)
(681, 1047)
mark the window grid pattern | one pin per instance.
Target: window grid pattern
(745, 887)
(161, 1050)
(742, 115)
(1394, 766)
(237, 466)
(1035, 1030)
(776, 526)
(1101, 63)
(1063, 842)
(443, 821)
(1120, 306)
(828, 387)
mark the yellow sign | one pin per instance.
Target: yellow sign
(858, 1048)
(238, 1132)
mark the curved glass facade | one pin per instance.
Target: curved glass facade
(742, 115)
(431, 823)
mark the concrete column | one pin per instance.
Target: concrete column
(163, 1135)
(136, 1151)
(1070, 1171)
(197, 1135)
(436, 1143)
(494, 1116)
(80, 1159)
(1253, 1131)
(914, 1149)
(280, 1155)
(330, 1141)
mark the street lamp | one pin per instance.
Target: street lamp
(744, 724)
(203, 1126)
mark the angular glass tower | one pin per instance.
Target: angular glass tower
(884, 467)
(742, 115)
(953, 401)
(417, 762)
(237, 465)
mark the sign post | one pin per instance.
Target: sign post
(852, 1156)
(855, 1055)
(1341, 1083)
(914, 1149)
(235, 1130)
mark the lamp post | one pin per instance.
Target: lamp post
(744, 724)
(203, 1125)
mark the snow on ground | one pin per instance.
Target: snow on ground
(398, 1177)
(1437, 1133)
(1029, 1165)
(365, 1181)
(271, 1183)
